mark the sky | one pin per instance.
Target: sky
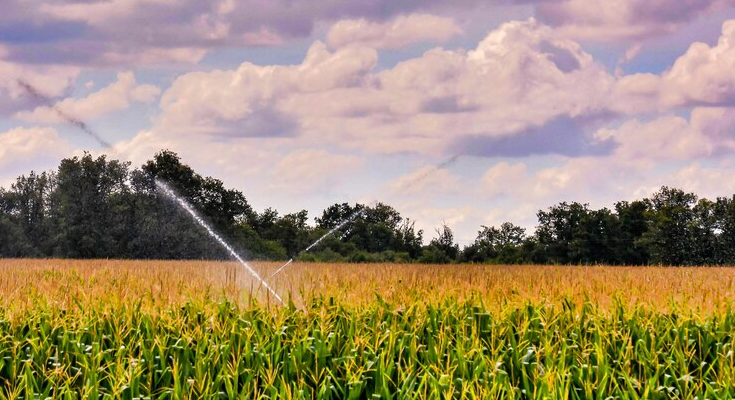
(464, 113)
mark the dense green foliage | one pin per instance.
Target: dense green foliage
(334, 351)
(99, 208)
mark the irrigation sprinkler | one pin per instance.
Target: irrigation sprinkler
(164, 188)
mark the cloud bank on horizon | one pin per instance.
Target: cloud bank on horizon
(301, 104)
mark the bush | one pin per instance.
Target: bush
(326, 255)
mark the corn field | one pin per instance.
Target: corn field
(181, 330)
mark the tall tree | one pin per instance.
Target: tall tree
(595, 238)
(293, 233)
(704, 232)
(497, 245)
(669, 239)
(88, 193)
(724, 229)
(442, 249)
(29, 203)
(633, 220)
(557, 229)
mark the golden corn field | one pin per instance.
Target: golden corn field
(201, 329)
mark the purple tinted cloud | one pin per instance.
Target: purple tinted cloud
(93, 30)
(267, 122)
(88, 32)
(562, 136)
(24, 32)
(562, 58)
(633, 20)
(676, 11)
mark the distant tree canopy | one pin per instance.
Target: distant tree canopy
(99, 208)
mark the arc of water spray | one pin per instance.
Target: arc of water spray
(35, 93)
(311, 246)
(169, 192)
(451, 160)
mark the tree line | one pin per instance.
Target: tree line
(98, 208)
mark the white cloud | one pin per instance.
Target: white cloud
(400, 32)
(249, 101)
(26, 149)
(23, 143)
(637, 93)
(429, 219)
(445, 94)
(706, 182)
(52, 81)
(664, 138)
(155, 56)
(115, 97)
(717, 124)
(704, 74)
(420, 105)
(429, 179)
(312, 170)
(597, 180)
(505, 179)
(575, 179)
(701, 76)
(231, 159)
